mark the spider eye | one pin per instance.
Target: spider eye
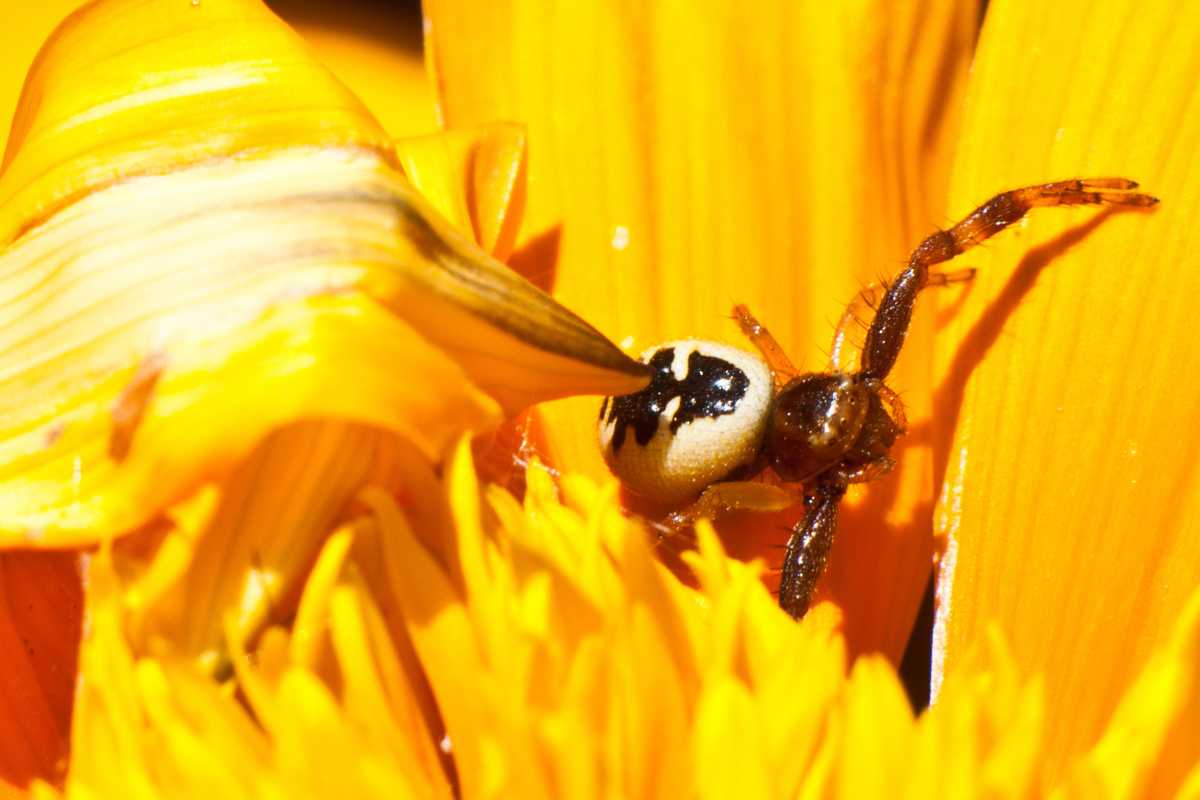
(702, 417)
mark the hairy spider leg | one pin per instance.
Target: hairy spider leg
(812, 537)
(895, 408)
(727, 496)
(782, 369)
(886, 334)
(808, 548)
(844, 352)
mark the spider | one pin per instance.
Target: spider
(714, 416)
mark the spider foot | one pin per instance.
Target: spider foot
(1081, 191)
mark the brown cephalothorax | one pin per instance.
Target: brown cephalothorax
(822, 431)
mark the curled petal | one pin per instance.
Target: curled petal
(475, 177)
(216, 242)
(158, 95)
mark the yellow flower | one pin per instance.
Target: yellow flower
(548, 654)
(781, 154)
(221, 295)
(238, 344)
(683, 159)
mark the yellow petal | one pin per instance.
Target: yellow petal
(310, 631)
(157, 95)
(19, 42)
(676, 168)
(725, 768)
(375, 49)
(474, 177)
(248, 558)
(441, 633)
(215, 392)
(378, 697)
(985, 731)
(607, 713)
(878, 721)
(156, 328)
(1148, 746)
(40, 622)
(1071, 500)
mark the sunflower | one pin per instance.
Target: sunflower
(266, 373)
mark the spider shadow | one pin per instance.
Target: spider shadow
(948, 397)
(862, 523)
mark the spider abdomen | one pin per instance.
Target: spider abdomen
(702, 417)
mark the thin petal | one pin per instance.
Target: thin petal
(441, 632)
(106, 748)
(727, 768)
(376, 697)
(250, 555)
(310, 631)
(878, 725)
(684, 157)
(1072, 504)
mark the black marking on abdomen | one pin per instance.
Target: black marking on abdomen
(712, 387)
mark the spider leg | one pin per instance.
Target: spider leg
(808, 548)
(843, 350)
(895, 407)
(871, 471)
(722, 498)
(781, 366)
(886, 335)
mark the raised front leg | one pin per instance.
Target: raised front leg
(886, 334)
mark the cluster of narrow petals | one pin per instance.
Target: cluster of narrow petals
(470, 645)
